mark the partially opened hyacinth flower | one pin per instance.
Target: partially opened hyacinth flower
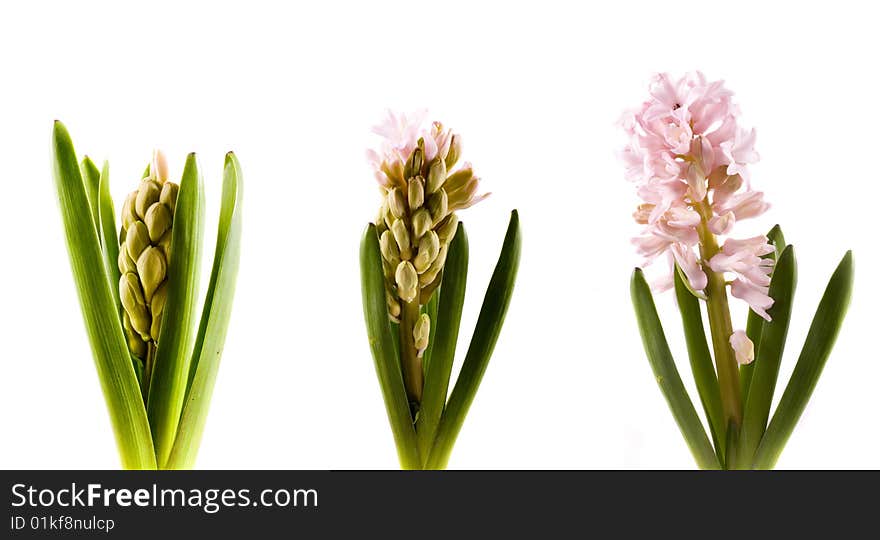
(689, 158)
(156, 356)
(414, 261)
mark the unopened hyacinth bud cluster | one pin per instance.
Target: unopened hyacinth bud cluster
(144, 252)
(421, 190)
(689, 158)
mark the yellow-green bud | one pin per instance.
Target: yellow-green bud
(416, 192)
(125, 263)
(401, 235)
(422, 222)
(446, 229)
(136, 345)
(152, 269)
(389, 248)
(158, 220)
(459, 178)
(416, 161)
(397, 203)
(132, 299)
(164, 244)
(128, 214)
(421, 333)
(429, 248)
(147, 195)
(137, 238)
(437, 175)
(428, 275)
(393, 306)
(454, 152)
(438, 205)
(168, 197)
(407, 281)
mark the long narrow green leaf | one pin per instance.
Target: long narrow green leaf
(768, 355)
(486, 332)
(91, 178)
(701, 363)
(107, 232)
(666, 374)
(755, 323)
(171, 368)
(386, 355)
(446, 326)
(99, 309)
(215, 321)
(820, 340)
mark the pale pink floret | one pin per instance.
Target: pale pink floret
(743, 348)
(744, 258)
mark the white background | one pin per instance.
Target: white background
(535, 89)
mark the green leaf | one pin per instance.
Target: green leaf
(754, 323)
(171, 368)
(666, 374)
(486, 332)
(100, 311)
(820, 340)
(386, 355)
(701, 362)
(215, 321)
(768, 354)
(446, 327)
(107, 233)
(91, 178)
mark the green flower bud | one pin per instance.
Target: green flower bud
(407, 281)
(137, 238)
(152, 269)
(393, 306)
(427, 277)
(416, 192)
(158, 220)
(136, 345)
(164, 244)
(157, 303)
(389, 248)
(438, 205)
(125, 263)
(128, 213)
(446, 229)
(147, 195)
(401, 235)
(416, 161)
(168, 196)
(421, 333)
(437, 175)
(454, 152)
(422, 222)
(396, 203)
(458, 179)
(132, 299)
(429, 248)
(156, 326)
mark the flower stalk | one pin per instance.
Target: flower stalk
(690, 160)
(156, 364)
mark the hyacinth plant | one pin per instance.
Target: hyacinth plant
(414, 262)
(138, 291)
(689, 158)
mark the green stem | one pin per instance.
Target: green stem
(720, 325)
(413, 378)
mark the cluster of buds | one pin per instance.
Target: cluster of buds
(421, 190)
(689, 158)
(144, 252)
